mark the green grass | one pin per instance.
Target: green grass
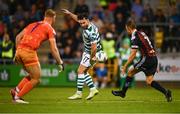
(54, 100)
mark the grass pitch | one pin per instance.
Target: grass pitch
(54, 100)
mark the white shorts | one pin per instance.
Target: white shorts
(85, 61)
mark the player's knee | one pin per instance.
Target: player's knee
(80, 71)
(35, 82)
(149, 81)
(37, 75)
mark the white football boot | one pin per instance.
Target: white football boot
(92, 93)
(16, 99)
(76, 96)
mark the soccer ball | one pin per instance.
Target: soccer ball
(101, 56)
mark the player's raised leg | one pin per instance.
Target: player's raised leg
(128, 81)
(150, 81)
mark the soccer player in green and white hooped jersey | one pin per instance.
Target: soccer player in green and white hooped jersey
(91, 35)
(92, 46)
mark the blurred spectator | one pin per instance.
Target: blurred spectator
(137, 8)
(27, 18)
(7, 49)
(6, 19)
(78, 54)
(19, 13)
(120, 16)
(121, 8)
(174, 16)
(133, 16)
(148, 13)
(103, 3)
(112, 5)
(171, 42)
(77, 40)
(159, 16)
(51, 3)
(99, 12)
(97, 21)
(35, 14)
(120, 22)
(2, 28)
(112, 29)
(145, 28)
(21, 25)
(67, 53)
(58, 39)
(3, 6)
(108, 45)
(108, 16)
(101, 75)
(80, 5)
(72, 27)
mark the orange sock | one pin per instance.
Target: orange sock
(27, 87)
(23, 82)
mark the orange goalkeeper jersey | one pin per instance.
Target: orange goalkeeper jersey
(35, 34)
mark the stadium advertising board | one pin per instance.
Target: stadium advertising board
(169, 70)
(10, 75)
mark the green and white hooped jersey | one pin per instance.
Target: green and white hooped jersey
(91, 35)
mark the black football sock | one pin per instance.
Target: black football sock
(158, 87)
(127, 84)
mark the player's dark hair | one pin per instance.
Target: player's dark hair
(82, 15)
(50, 13)
(131, 24)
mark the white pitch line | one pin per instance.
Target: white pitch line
(96, 101)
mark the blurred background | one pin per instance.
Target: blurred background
(159, 19)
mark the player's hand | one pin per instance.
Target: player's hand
(65, 11)
(123, 70)
(94, 58)
(61, 67)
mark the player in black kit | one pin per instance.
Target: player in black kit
(148, 63)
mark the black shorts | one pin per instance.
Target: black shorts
(148, 65)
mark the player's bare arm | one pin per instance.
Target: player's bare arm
(55, 53)
(65, 11)
(93, 51)
(130, 59)
(19, 37)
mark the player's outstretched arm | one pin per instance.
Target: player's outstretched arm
(130, 59)
(65, 11)
(56, 54)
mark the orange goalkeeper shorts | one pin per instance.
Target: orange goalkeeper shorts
(26, 57)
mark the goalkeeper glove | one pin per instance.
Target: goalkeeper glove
(61, 67)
